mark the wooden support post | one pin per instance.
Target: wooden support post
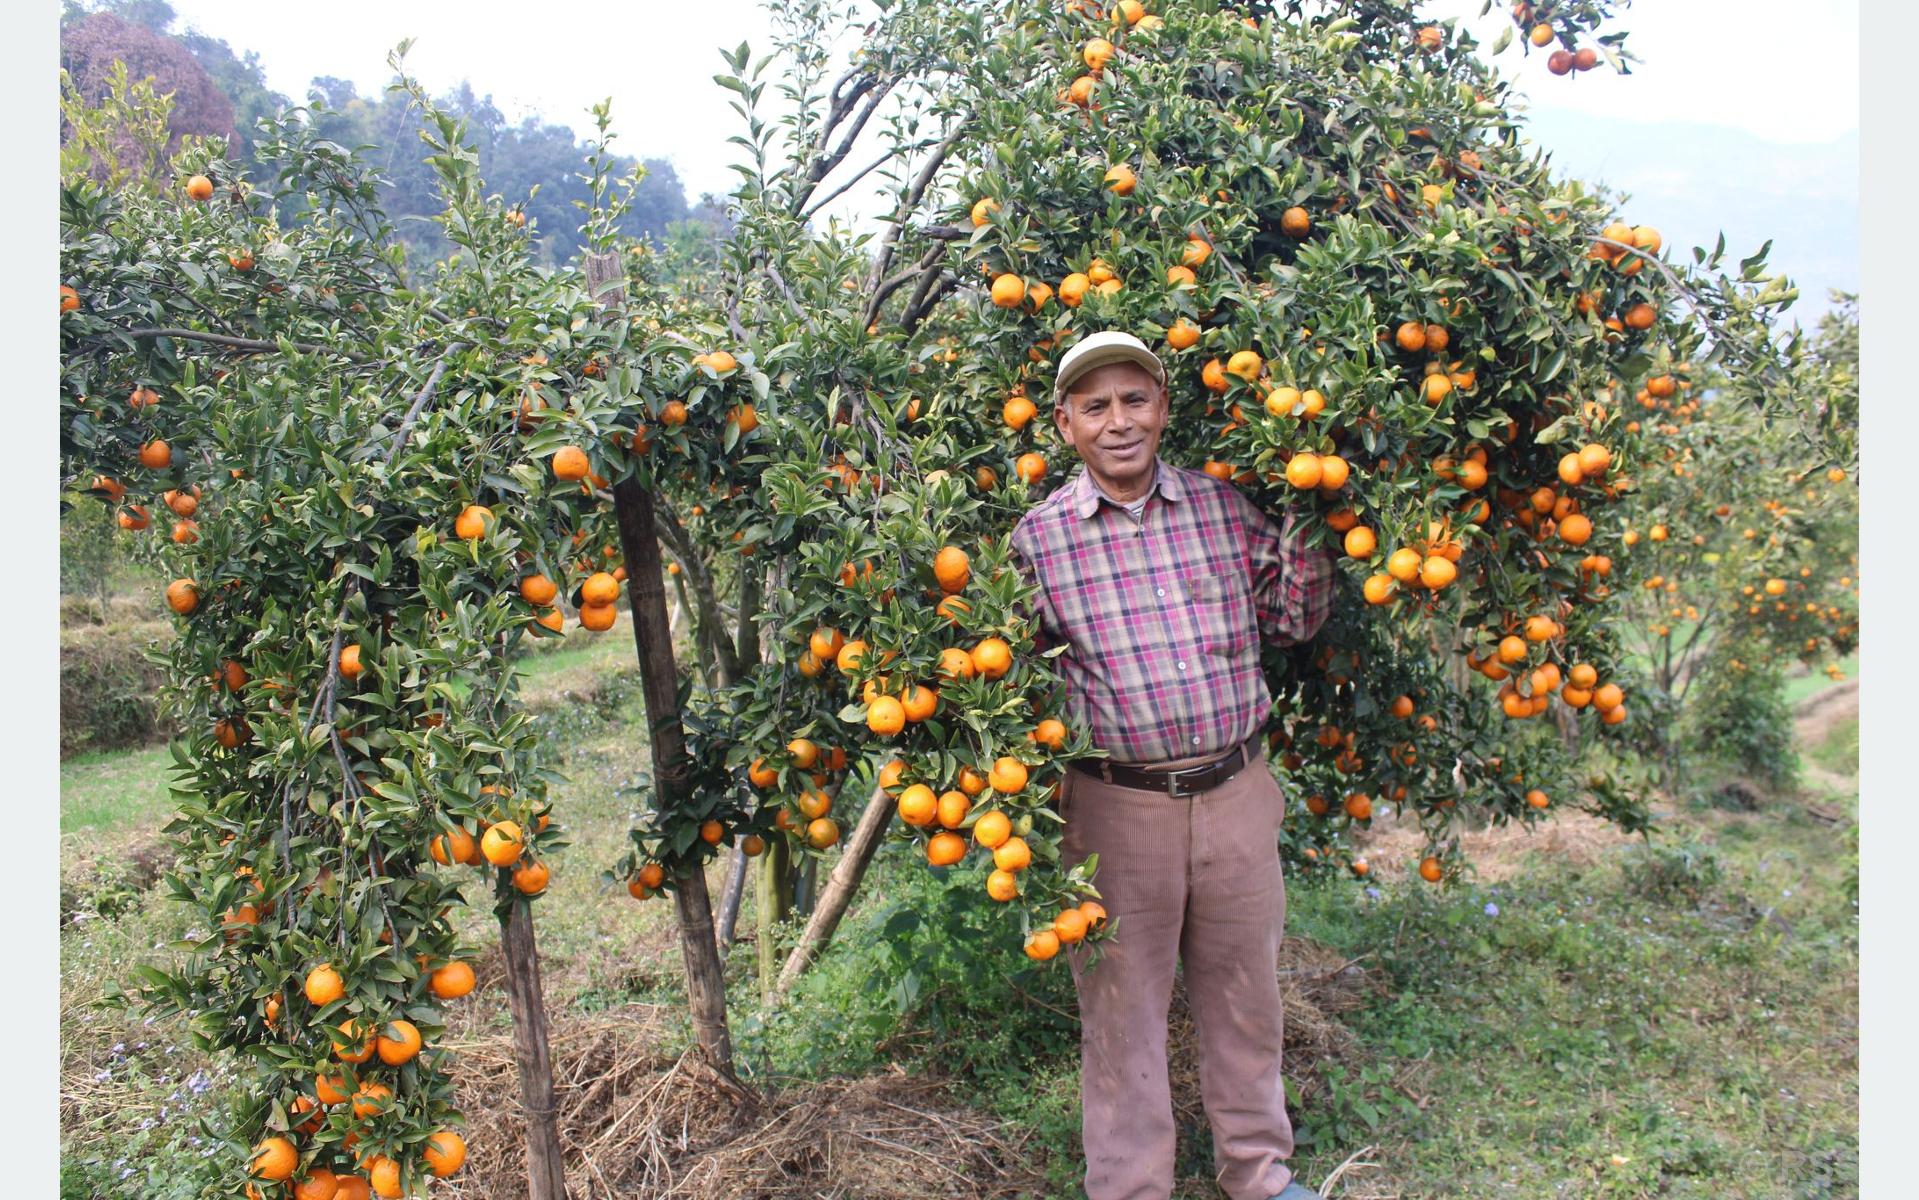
(730, 900)
(633, 511)
(841, 886)
(545, 1165)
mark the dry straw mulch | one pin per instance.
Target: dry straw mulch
(641, 1119)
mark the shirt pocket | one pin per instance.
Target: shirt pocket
(1223, 612)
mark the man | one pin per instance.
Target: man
(1159, 581)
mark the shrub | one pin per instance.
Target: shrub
(109, 690)
(1740, 719)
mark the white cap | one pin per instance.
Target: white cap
(1107, 346)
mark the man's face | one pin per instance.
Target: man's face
(1113, 417)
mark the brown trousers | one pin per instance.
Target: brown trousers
(1197, 879)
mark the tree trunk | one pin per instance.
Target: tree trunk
(545, 1168)
(806, 892)
(646, 595)
(841, 886)
(730, 900)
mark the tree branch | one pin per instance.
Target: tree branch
(239, 343)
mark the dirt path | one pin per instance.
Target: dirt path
(1813, 721)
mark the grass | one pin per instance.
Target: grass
(1677, 1020)
(1799, 687)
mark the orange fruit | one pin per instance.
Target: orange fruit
(952, 569)
(183, 596)
(1094, 912)
(1303, 472)
(444, 1152)
(885, 716)
(599, 588)
(1042, 944)
(955, 663)
(1008, 290)
(919, 702)
(1245, 364)
(1120, 180)
(1213, 375)
(1410, 337)
(1070, 926)
(804, 753)
(473, 522)
(1008, 776)
(200, 188)
(1017, 411)
(1378, 588)
(530, 878)
(1002, 886)
(1050, 733)
(1295, 222)
(1013, 854)
(1537, 798)
(452, 981)
(570, 464)
(384, 1175)
(324, 985)
(953, 807)
(274, 1159)
(502, 844)
(370, 1099)
(1403, 564)
(1437, 571)
(945, 848)
(538, 589)
(890, 775)
(399, 1042)
(1030, 467)
(1429, 869)
(826, 643)
(848, 659)
(992, 829)
(1182, 335)
(992, 657)
(156, 455)
(971, 782)
(450, 847)
(918, 806)
(822, 832)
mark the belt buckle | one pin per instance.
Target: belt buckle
(1173, 778)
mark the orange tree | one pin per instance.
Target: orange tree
(1745, 549)
(369, 492)
(1378, 311)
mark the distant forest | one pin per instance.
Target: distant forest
(219, 93)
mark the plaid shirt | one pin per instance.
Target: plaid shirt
(1158, 617)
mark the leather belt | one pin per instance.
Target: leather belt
(1177, 784)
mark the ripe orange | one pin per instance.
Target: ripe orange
(1095, 53)
(384, 1174)
(274, 1159)
(530, 878)
(1295, 223)
(1073, 289)
(1017, 411)
(156, 455)
(1030, 467)
(598, 617)
(1008, 290)
(1608, 696)
(1245, 364)
(69, 299)
(1213, 375)
(805, 753)
(1537, 798)
(600, 588)
(399, 1042)
(502, 844)
(1410, 336)
(1050, 733)
(1429, 869)
(952, 569)
(992, 657)
(324, 985)
(919, 702)
(199, 188)
(983, 210)
(992, 829)
(1002, 886)
(971, 782)
(370, 1098)
(1042, 944)
(444, 1152)
(1193, 254)
(918, 806)
(1304, 471)
(183, 596)
(1182, 335)
(885, 716)
(955, 664)
(1120, 180)
(1094, 912)
(848, 659)
(538, 589)
(1378, 588)
(945, 848)
(456, 846)
(1008, 775)
(452, 981)
(1070, 926)
(1437, 571)
(953, 807)
(473, 522)
(570, 464)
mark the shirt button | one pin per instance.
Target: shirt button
(1182, 666)
(1195, 741)
(1159, 591)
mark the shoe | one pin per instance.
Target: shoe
(1297, 1191)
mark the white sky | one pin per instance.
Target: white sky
(1712, 61)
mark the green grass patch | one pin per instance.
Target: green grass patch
(1815, 681)
(1839, 752)
(115, 793)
